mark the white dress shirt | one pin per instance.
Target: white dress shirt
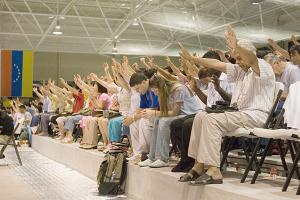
(253, 94)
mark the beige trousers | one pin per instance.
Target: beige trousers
(3, 138)
(208, 130)
(90, 132)
(140, 134)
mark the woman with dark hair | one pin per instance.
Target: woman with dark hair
(175, 100)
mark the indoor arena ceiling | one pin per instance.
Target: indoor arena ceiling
(138, 27)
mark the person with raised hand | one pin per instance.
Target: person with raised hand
(253, 97)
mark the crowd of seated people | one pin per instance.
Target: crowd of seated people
(158, 106)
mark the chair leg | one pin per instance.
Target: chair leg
(298, 190)
(17, 152)
(262, 160)
(248, 149)
(282, 157)
(226, 151)
(292, 151)
(245, 148)
(295, 166)
(254, 152)
(2, 150)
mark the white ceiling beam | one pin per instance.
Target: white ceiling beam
(105, 19)
(19, 25)
(145, 32)
(220, 27)
(290, 16)
(124, 25)
(44, 4)
(85, 29)
(51, 26)
(34, 18)
(81, 37)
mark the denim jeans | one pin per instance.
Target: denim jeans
(160, 140)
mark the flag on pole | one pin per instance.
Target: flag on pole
(16, 73)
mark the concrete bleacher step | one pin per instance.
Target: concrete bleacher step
(161, 184)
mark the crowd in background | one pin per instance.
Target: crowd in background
(155, 106)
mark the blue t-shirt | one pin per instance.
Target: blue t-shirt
(149, 100)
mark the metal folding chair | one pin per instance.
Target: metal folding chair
(11, 141)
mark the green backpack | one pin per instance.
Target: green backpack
(112, 174)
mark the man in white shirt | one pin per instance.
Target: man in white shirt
(253, 95)
(285, 72)
(210, 90)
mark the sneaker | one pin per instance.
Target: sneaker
(159, 164)
(145, 163)
(133, 157)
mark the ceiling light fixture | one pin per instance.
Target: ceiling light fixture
(135, 22)
(57, 29)
(114, 49)
(255, 2)
(193, 18)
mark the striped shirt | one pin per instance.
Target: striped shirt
(253, 94)
(290, 75)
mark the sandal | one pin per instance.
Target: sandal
(206, 180)
(190, 176)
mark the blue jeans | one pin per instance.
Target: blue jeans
(160, 140)
(115, 129)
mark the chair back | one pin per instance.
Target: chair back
(277, 94)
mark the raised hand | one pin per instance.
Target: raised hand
(272, 43)
(93, 76)
(231, 39)
(184, 52)
(125, 60)
(135, 67)
(168, 60)
(62, 81)
(106, 66)
(294, 40)
(142, 60)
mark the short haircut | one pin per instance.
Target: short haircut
(137, 78)
(101, 88)
(247, 44)
(22, 107)
(150, 72)
(203, 73)
(212, 55)
(272, 58)
(295, 49)
(169, 69)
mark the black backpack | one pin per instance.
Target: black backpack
(112, 174)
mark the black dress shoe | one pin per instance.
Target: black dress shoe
(3, 156)
(183, 166)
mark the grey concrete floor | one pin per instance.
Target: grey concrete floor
(43, 179)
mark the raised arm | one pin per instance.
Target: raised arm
(276, 47)
(206, 62)
(109, 86)
(41, 97)
(83, 84)
(66, 85)
(173, 67)
(294, 40)
(143, 60)
(247, 56)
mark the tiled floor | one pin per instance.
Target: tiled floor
(50, 180)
